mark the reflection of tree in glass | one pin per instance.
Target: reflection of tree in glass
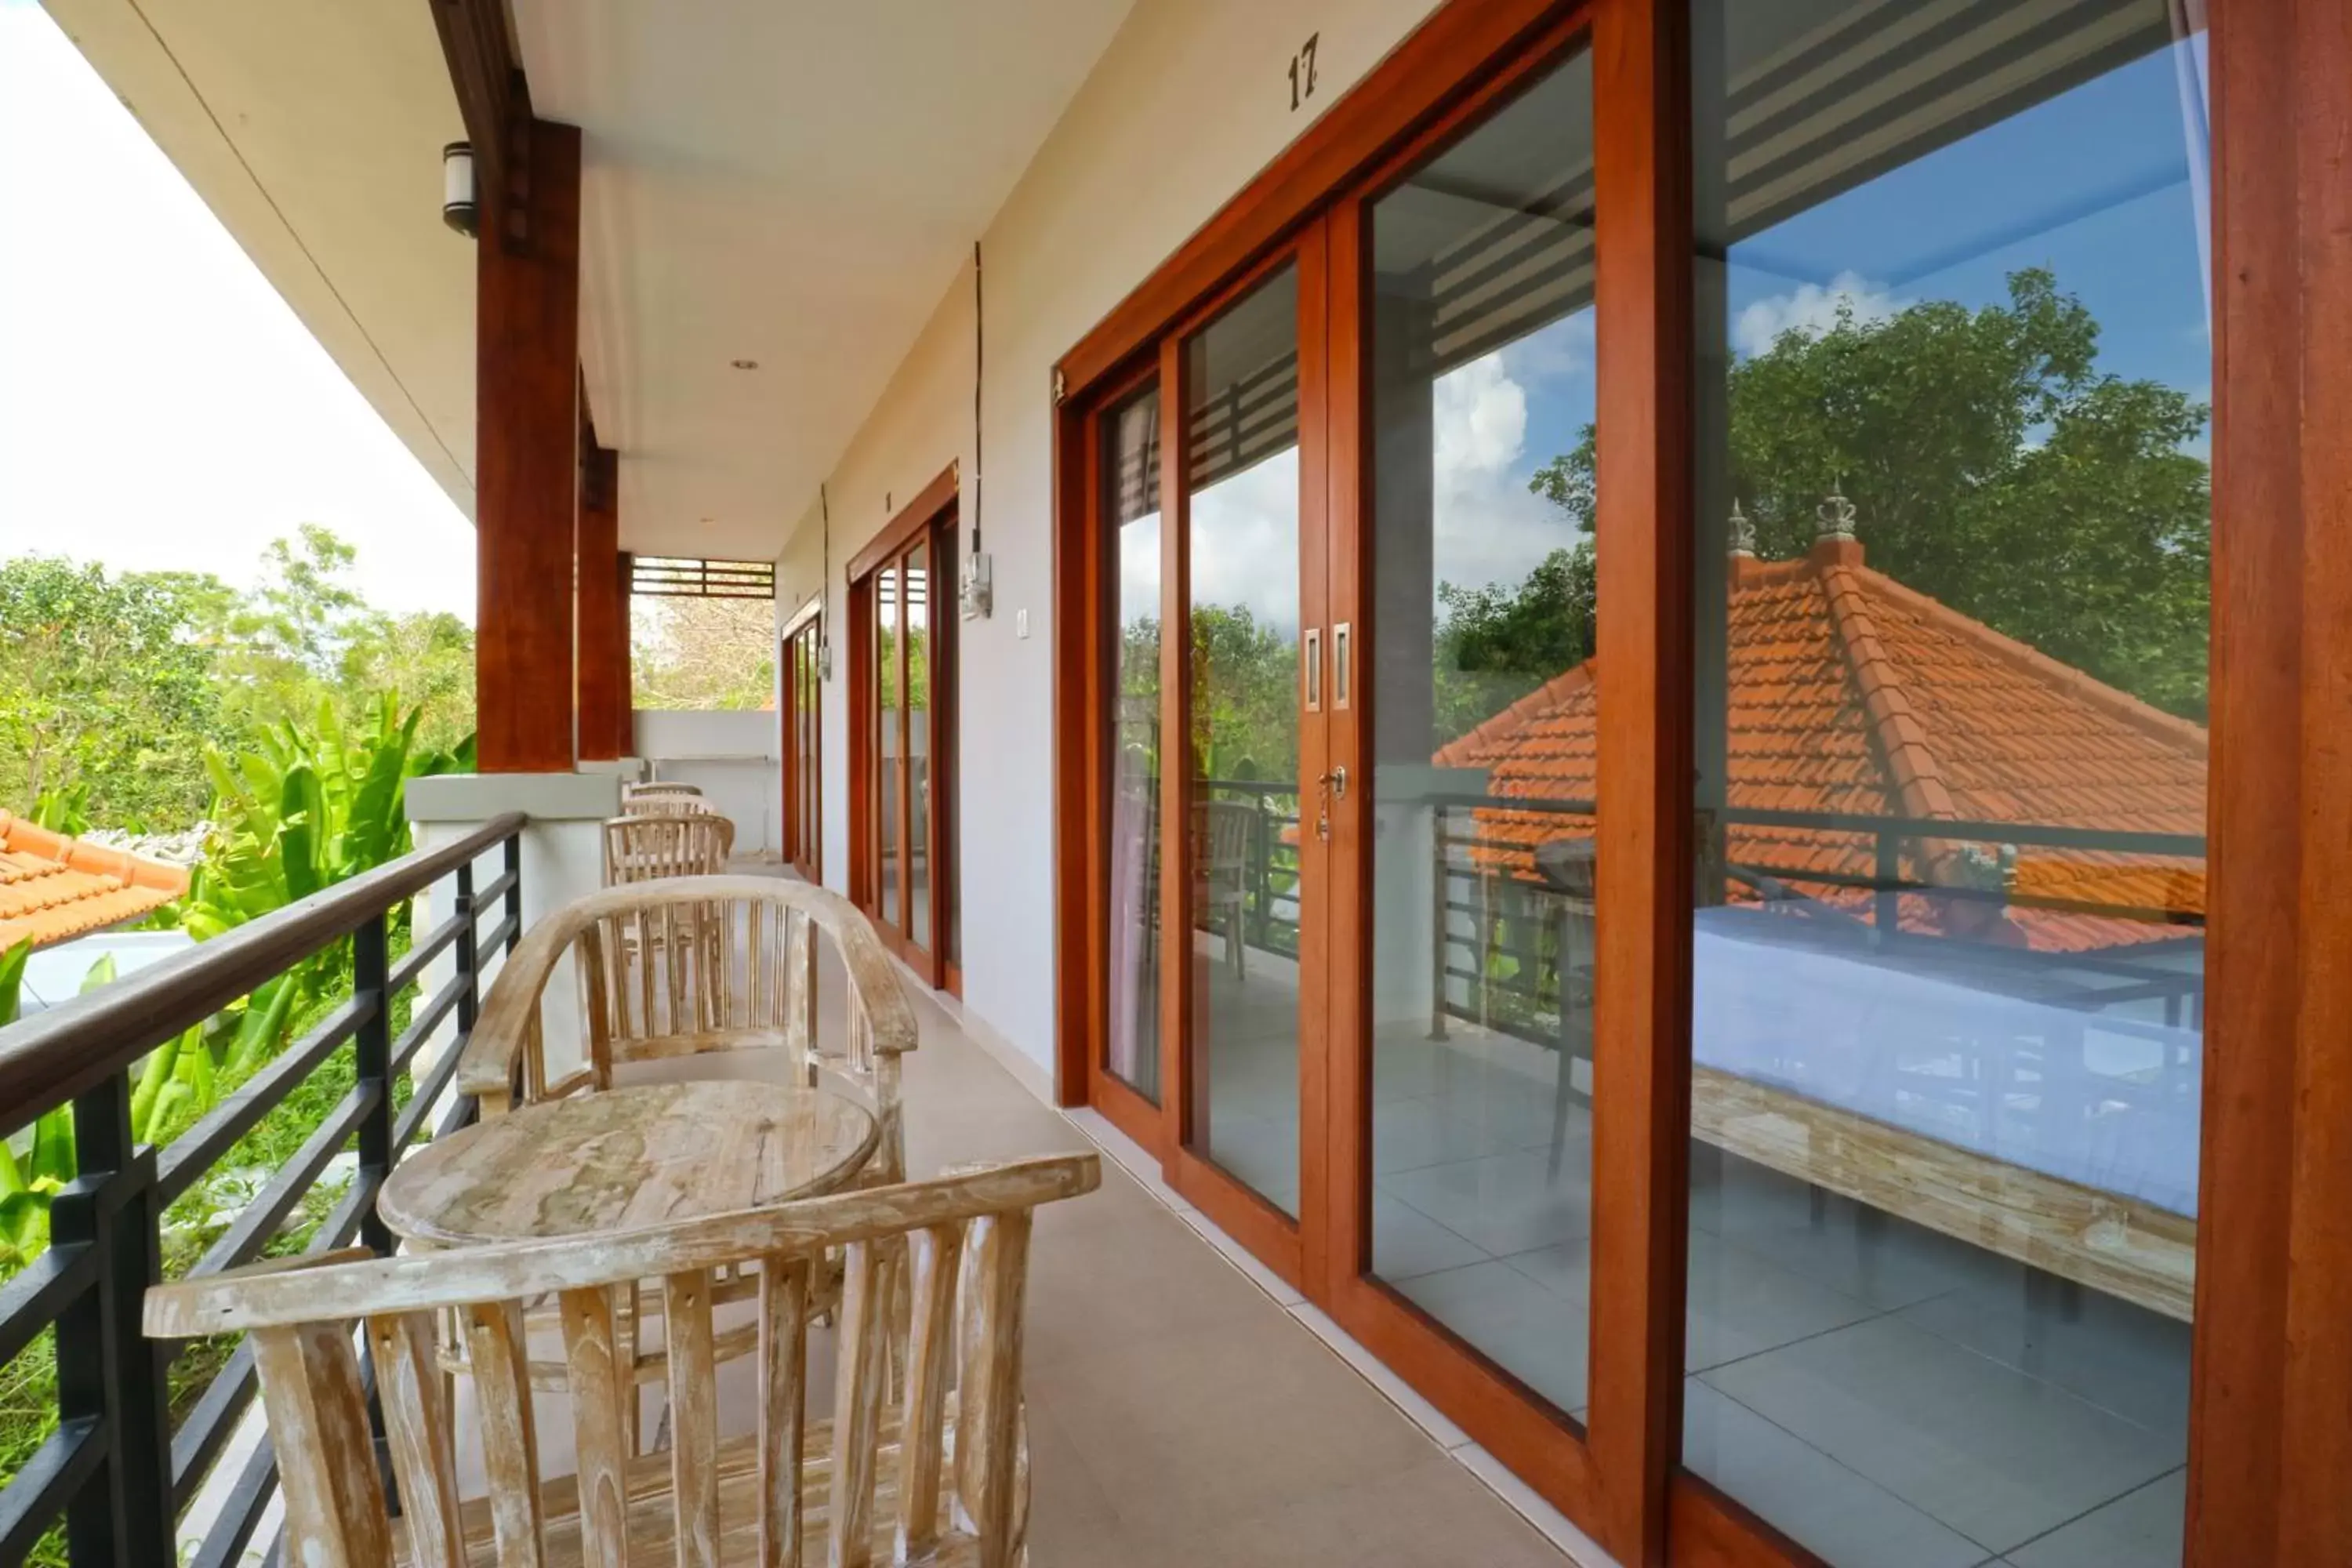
(1244, 693)
(1992, 467)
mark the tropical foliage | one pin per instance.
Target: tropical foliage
(1992, 465)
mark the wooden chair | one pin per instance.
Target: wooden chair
(662, 800)
(1222, 829)
(649, 848)
(694, 966)
(929, 1477)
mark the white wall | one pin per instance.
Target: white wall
(731, 756)
(1191, 98)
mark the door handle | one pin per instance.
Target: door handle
(1334, 783)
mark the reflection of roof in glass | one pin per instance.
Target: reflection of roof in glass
(1851, 694)
(53, 887)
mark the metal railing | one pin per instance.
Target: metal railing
(1270, 882)
(115, 1474)
(1496, 956)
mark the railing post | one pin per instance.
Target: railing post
(514, 890)
(469, 991)
(372, 1049)
(1886, 904)
(109, 1374)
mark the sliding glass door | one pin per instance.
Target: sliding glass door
(803, 752)
(903, 679)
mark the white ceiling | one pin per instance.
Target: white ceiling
(794, 181)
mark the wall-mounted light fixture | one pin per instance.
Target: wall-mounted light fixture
(457, 208)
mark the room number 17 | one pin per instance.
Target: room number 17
(1302, 72)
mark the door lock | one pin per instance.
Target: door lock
(1334, 782)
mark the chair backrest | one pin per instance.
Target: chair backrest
(1225, 832)
(662, 800)
(649, 848)
(695, 965)
(962, 1242)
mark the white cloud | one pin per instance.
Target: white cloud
(160, 405)
(1811, 310)
(1481, 415)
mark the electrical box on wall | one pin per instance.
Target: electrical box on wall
(976, 598)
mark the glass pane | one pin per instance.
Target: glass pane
(888, 755)
(947, 797)
(1130, 513)
(1241, 462)
(917, 579)
(1481, 590)
(1951, 673)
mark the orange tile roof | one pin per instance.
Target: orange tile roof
(1851, 694)
(53, 888)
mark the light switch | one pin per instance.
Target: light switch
(1020, 623)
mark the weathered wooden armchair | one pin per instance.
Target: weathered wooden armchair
(690, 967)
(662, 799)
(647, 848)
(929, 1477)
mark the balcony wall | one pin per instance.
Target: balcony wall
(730, 755)
(1188, 102)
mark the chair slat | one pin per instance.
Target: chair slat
(932, 1259)
(601, 1378)
(414, 1396)
(311, 1390)
(857, 1379)
(784, 1424)
(800, 981)
(693, 1416)
(988, 1416)
(498, 1353)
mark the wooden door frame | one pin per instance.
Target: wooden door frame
(908, 528)
(808, 618)
(2271, 1362)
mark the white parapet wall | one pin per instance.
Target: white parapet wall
(732, 755)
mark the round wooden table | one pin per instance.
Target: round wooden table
(627, 1158)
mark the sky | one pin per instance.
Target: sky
(161, 406)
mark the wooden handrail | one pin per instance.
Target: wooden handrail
(59, 1054)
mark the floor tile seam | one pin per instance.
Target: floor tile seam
(2058, 1388)
(1877, 1486)
(1874, 1315)
(2132, 1421)
(2105, 1502)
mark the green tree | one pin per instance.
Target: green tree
(284, 642)
(1993, 467)
(1498, 643)
(105, 693)
(424, 659)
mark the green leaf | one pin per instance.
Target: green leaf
(12, 980)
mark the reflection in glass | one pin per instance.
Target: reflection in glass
(916, 579)
(889, 755)
(1950, 624)
(1482, 339)
(1130, 513)
(1241, 458)
(947, 789)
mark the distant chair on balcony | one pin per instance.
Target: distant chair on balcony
(1221, 830)
(924, 1474)
(663, 800)
(643, 849)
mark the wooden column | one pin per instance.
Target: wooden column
(527, 340)
(604, 610)
(2272, 1380)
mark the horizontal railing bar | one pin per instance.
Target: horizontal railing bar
(259, 1222)
(460, 1117)
(2120, 841)
(487, 896)
(498, 934)
(31, 1502)
(343, 1221)
(65, 1051)
(211, 1424)
(197, 1150)
(240, 1513)
(425, 1091)
(411, 963)
(33, 1299)
(424, 1021)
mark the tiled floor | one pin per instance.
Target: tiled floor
(1886, 1394)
